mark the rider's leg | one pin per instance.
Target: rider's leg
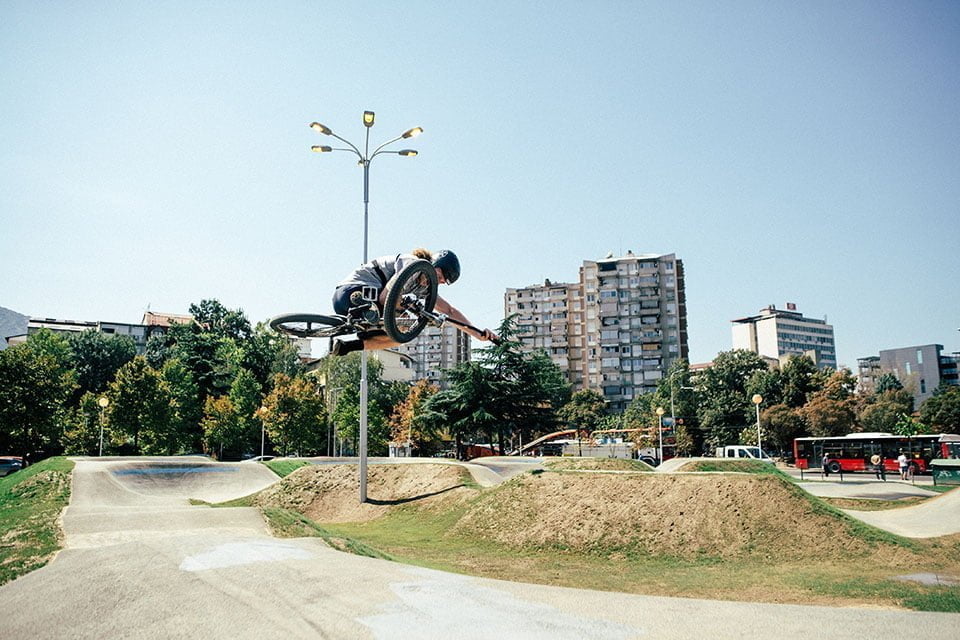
(370, 341)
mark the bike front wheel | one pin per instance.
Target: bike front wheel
(412, 291)
(307, 325)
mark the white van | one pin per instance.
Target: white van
(741, 452)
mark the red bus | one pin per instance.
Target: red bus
(853, 452)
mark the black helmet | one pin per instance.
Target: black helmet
(449, 265)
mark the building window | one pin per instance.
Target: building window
(919, 356)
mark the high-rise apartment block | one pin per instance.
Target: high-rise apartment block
(616, 331)
(436, 349)
(778, 334)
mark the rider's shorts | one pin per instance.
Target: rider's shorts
(341, 298)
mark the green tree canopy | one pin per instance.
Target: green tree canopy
(941, 411)
(97, 357)
(35, 384)
(294, 415)
(585, 410)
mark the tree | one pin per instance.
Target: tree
(139, 410)
(585, 410)
(246, 396)
(343, 373)
(799, 378)
(883, 411)
(887, 381)
(97, 357)
(407, 423)
(826, 416)
(640, 414)
(266, 352)
(220, 321)
(941, 411)
(184, 398)
(294, 415)
(781, 425)
(725, 405)
(82, 430)
(504, 394)
(35, 383)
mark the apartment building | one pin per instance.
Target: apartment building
(434, 350)
(616, 330)
(778, 334)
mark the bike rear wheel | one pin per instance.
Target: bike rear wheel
(412, 290)
(307, 325)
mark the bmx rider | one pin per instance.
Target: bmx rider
(375, 275)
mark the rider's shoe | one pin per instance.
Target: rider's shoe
(343, 347)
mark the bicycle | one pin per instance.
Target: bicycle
(407, 309)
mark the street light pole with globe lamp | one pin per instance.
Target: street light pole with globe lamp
(757, 399)
(365, 159)
(660, 412)
(103, 402)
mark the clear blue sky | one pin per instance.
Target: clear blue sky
(158, 154)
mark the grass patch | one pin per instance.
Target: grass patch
(285, 523)
(31, 501)
(596, 464)
(868, 504)
(734, 466)
(283, 467)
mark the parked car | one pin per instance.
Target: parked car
(10, 464)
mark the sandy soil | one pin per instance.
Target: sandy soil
(683, 515)
(330, 493)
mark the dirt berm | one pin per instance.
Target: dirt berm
(681, 515)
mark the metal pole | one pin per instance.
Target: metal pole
(759, 446)
(660, 416)
(363, 354)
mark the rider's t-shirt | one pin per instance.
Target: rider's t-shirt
(366, 274)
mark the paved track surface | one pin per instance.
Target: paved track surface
(140, 562)
(932, 518)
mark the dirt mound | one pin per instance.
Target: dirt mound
(596, 464)
(714, 515)
(331, 493)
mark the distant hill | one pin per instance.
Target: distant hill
(11, 324)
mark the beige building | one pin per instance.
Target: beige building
(616, 331)
(779, 334)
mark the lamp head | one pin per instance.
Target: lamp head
(321, 149)
(407, 152)
(103, 401)
(757, 398)
(413, 133)
(660, 411)
(368, 117)
(319, 128)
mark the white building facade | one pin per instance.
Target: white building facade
(779, 334)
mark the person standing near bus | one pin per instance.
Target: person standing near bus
(826, 464)
(904, 465)
(878, 467)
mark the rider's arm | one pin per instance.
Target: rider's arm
(450, 311)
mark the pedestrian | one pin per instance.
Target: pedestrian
(878, 466)
(904, 465)
(826, 464)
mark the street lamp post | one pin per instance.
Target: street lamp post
(103, 402)
(660, 413)
(757, 399)
(365, 159)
